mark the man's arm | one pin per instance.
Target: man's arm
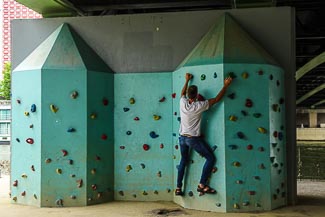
(188, 77)
(221, 93)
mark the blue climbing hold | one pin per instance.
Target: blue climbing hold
(125, 109)
(214, 147)
(33, 108)
(71, 130)
(128, 133)
(232, 147)
(179, 118)
(153, 135)
(215, 75)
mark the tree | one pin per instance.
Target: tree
(5, 84)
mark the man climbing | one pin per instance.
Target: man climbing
(190, 133)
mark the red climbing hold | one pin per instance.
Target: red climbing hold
(30, 141)
(146, 147)
(64, 152)
(176, 147)
(161, 146)
(260, 72)
(162, 99)
(94, 187)
(105, 102)
(174, 95)
(249, 147)
(122, 147)
(136, 119)
(23, 193)
(249, 103)
(251, 192)
(275, 134)
(104, 136)
(15, 183)
(98, 158)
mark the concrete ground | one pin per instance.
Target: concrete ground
(311, 204)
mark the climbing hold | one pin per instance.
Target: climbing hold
(54, 108)
(15, 183)
(58, 171)
(280, 136)
(70, 161)
(155, 192)
(122, 147)
(274, 144)
(257, 115)
(144, 193)
(277, 83)
(94, 187)
(214, 169)
(257, 177)
(176, 147)
(74, 94)
(132, 100)
(246, 203)
(23, 193)
(71, 130)
(59, 202)
(261, 130)
(159, 173)
(64, 152)
(161, 146)
(162, 99)
(99, 195)
(168, 190)
(271, 77)
(218, 204)
(174, 134)
(236, 164)
(105, 101)
(244, 112)
(156, 117)
(26, 113)
(251, 192)
(79, 183)
(30, 141)
(233, 147)
(128, 168)
(31, 126)
(272, 159)
(128, 133)
(215, 75)
(261, 166)
(153, 135)
(24, 175)
(134, 195)
(249, 147)
(261, 149)
(93, 115)
(179, 119)
(121, 193)
(203, 77)
(257, 205)
(73, 197)
(125, 109)
(32, 168)
(48, 160)
(90, 199)
(93, 171)
(35, 196)
(175, 113)
(146, 147)
(231, 96)
(276, 165)
(240, 135)
(14, 199)
(136, 118)
(104, 137)
(143, 166)
(97, 158)
(249, 103)
(244, 75)
(18, 101)
(239, 182)
(232, 75)
(214, 147)
(233, 118)
(190, 193)
(236, 206)
(18, 140)
(174, 95)
(33, 108)
(275, 107)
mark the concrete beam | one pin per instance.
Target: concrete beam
(310, 93)
(310, 65)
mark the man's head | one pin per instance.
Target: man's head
(192, 91)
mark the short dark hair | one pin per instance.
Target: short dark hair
(192, 91)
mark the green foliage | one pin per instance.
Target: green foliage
(5, 84)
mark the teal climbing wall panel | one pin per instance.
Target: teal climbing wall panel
(143, 138)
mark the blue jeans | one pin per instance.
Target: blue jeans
(199, 145)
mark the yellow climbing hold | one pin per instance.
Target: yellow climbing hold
(262, 130)
(54, 108)
(232, 118)
(128, 168)
(132, 100)
(156, 117)
(26, 113)
(14, 199)
(58, 171)
(244, 75)
(93, 171)
(24, 175)
(93, 116)
(236, 206)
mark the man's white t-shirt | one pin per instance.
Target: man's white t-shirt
(191, 115)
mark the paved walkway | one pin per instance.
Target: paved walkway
(151, 209)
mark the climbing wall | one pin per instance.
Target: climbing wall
(209, 80)
(143, 146)
(67, 113)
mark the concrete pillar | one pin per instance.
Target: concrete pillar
(312, 118)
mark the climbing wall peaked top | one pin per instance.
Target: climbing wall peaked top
(227, 42)
(64, 49)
